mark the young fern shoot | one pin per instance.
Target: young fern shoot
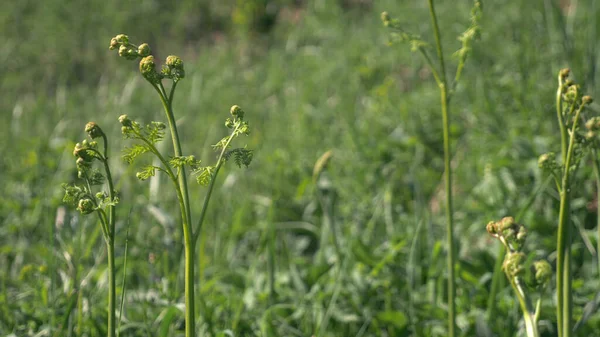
(174, 166)
(570, 107)
(447, 89)
(512, 236)
(102, 203)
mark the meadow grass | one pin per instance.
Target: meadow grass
(323, 79)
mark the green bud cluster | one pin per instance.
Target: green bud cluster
(509, 232)
(593, 126)
(93, 130)
(125, 121)
(542, 273)
(237, 122)
(86, 206)
(514, 264)
(172, 69)
(571, 92)
(564, 73)
(512, 235)
(573, 109)
(86, 152)
(385, 18)
(143, 50)
(547, 162)
(148, 70)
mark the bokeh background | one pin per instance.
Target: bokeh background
(313, 76)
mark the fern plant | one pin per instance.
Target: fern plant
(102, 202)
(512, 236)
(447, 89)
(571, 105)
(176, 164)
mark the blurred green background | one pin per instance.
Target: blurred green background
(312, 76)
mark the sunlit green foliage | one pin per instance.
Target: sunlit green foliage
(321, 79)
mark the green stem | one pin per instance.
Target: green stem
(434, 71)
(190, 318)
(563, 246)
(168, 171)
(538, 310)
(182, 178)
(530, 325)
(561, 121)
(112, 289)
(211, 186)
(447, 175)
(529, 313)
(122, 304)
(110, 246)
(207, 198)
(563, 210)
(597, 175)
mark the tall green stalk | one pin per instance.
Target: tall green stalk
(569, 106)
(596, 164)
(110, 245)
(443, 85)
(188, 236)
(102, 203)
(446, 91)
(563, 266)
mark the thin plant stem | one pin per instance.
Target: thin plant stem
(190, 319)
(182, 178)
(597, 176)
(211, 186)
(110, 245)
(110, 248)
(529, 312)
(563, 212)
(442, 83)
(563, 264)
(271, 237)
(122, 305)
